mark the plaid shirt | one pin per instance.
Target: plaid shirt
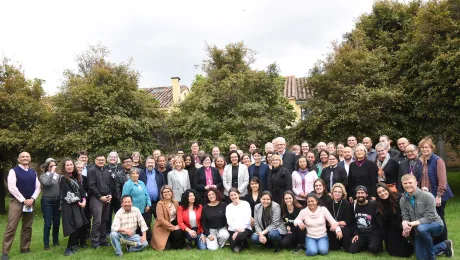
(131, 220)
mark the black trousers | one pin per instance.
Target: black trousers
(372, 241)
(115, 205)
(241, 239)
(148, 217)
(297, 237)
(345, 242)
(76, 236)
(176, 239)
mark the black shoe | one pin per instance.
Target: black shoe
(69, 251)
(188, 246)
(104, 244)
(25, 251)
(277, 249)
(450, 248)
(237, 249)
(95, 246)
(5, 257)
(297, 249)
(74, 248)
(83, 246)
(47, 248)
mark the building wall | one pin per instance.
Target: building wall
(297, 109)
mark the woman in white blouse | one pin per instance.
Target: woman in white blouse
(238, 215)
(178, 178)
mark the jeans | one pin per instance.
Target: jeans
(199, 244)
(272, 236)
(424, 248)
(51, 216)
(115, 239)
(317, 245)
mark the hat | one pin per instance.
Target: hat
(361, 187)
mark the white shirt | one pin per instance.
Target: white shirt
(238, 216)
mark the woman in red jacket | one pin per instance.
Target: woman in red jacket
(189, 219)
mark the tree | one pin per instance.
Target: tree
(396, 73)
(99, 108)
(232, 103)
(23, 110)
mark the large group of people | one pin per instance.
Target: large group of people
(349, 197)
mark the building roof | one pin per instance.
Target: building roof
(164, 94)
(295, 88)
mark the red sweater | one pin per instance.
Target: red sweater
(184, 221)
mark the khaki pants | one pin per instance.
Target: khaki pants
(14, 215)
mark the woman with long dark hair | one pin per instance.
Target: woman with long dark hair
(323, 161)
(342, 211)
(389, 218)
(321, 193)
(253, 197)
(50, 202)
(268, 224)
(290, 209)
(236, 175)
(189, 219)
(73, 202)
(214, 221)
(191, 169)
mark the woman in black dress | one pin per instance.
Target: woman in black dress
(253, 197)
(342, 211)
(73, 202)
(389, 219)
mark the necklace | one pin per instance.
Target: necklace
(338, 210)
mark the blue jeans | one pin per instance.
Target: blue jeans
(115, 239)
(424, 248)
(199, 244)
(317, 245)
(273, 236)
(51, 216)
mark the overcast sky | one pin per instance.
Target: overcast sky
(167, 38)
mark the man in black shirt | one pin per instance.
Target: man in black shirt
(100, 190)
(367, 232)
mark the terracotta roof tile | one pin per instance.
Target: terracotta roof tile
(164, 94)
(295, 88)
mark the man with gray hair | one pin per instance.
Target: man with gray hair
(288, 157)
(413, 165)
(269, 148)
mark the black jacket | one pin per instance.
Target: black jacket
(289, 161)
(101, 182)
(200, 180)
(404, 168)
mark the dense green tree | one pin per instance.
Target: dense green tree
(396, 73)
(233, 103)
(22, 109)
(99, 108)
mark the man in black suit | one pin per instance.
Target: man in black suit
(289, 158)
(412, 165)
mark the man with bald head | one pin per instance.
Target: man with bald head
(371, 153)
(402, 144)
(288, 157)
(24, 188)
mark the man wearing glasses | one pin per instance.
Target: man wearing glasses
(413, 165)
(289, 158)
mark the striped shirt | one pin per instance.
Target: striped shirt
(131, 220)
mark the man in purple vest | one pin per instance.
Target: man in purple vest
(24, 188)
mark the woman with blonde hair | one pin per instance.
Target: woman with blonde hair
(137, 160)
(279, 179)
(166, 231)
(342, 211)
(178, 178)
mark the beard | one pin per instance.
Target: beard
(361, 199)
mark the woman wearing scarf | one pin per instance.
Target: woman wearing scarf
(302, 180)
(388, 168)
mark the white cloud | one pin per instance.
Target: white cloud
(167, 38)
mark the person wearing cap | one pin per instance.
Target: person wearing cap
(367, 233)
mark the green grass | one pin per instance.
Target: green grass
(453, 223)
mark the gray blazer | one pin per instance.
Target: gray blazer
(177, 186)
(243, 179)
(277, 223)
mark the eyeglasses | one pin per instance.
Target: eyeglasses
(411, 151)
(167, 191)
(276, 160)
(381, 151)
(332, 159)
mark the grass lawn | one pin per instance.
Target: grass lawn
(453, 223)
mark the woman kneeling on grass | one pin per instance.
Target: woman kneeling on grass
(314, 219)
(189, 219)
(269, 227)
(238, 215)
